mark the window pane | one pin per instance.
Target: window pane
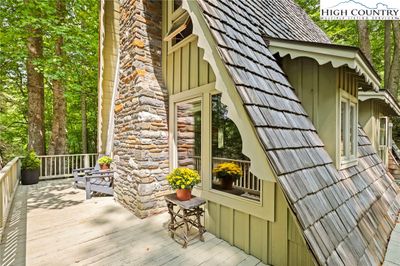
(382, 131)
(184, 33)
(353, 130)
(343, 128)
(189, 134)
(177, 4)
(227, 156)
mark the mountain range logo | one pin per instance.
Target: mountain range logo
(379, 5)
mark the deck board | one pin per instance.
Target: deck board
(51, 223)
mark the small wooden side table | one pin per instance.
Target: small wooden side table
(186, 216)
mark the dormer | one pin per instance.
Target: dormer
(327, 78)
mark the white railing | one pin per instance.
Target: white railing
(9, 179)
(59, 166)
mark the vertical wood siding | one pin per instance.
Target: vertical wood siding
(276, 243)
(186, 68)
(298, 253)
(315, 93)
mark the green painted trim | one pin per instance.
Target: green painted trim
(181, 44)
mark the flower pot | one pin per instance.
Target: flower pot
(104, 166)
(183, 194)
(30, 176)
(227, 182)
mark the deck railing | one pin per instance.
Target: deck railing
(9, 179)
(59, 166)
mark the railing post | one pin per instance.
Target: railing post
(1, 205)
(86, 161)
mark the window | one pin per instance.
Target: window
(203, 138)
(348, 130)
(188, 136)
(180, 29)
(383, 137)
(382, 131)
(227, 148)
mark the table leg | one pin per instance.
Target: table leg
(171, 225)
(201, 227)
(186, 229)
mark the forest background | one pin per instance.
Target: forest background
(48, 76)
(49, 65)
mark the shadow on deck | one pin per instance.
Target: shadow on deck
(51, 224)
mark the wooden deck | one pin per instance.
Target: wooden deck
(52, 224)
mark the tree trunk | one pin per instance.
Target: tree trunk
(363, 37)
(35, 86)
(58, 140)
(84, 124)
(387, 52)
(394, 75)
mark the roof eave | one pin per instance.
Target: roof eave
(324, 53)
(382, 95)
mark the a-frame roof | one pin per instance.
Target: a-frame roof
(346, 217)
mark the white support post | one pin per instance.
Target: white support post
(86, 161)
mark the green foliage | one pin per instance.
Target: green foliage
(105, 160)
(77, 68)
(30, 161)
(183, 178)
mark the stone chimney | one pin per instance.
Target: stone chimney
(141, 111)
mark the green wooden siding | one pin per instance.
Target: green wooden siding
(186, 68)
(275, 243)
(298, 253)
(316, 87)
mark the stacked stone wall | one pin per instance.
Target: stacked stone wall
(141, 111)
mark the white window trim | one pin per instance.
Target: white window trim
(386, 132)
(390, 134)
(349, 159)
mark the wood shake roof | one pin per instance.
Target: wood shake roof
(346, 216)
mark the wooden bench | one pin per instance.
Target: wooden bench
(80, 173)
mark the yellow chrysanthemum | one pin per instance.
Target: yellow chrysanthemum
(231, 170)
(183, 178)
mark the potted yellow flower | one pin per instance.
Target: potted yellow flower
(105, 162)
(183, 180)
(227, 173)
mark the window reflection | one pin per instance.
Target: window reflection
(177, 4)
(189, 134)
(227, 157)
